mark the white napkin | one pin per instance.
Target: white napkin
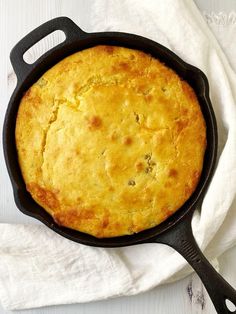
(38, 267)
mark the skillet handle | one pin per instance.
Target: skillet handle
(182, 240)
(70, 29)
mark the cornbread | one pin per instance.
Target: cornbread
(110, 141)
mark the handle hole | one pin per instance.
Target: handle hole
(230, 306)
(42, 46)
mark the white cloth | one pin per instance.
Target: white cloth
(38, 267)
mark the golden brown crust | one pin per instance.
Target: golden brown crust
(110, 141)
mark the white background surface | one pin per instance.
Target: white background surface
(17, 18)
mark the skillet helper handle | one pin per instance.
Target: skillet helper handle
(70, 29)
(182, 240)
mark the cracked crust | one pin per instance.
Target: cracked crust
(110, 141)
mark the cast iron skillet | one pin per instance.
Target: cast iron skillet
(176, 231)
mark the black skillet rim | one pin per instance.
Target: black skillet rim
(79, 41)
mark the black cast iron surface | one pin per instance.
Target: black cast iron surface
(77, 40)
(176, 231)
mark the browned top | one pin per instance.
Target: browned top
(110, 141)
